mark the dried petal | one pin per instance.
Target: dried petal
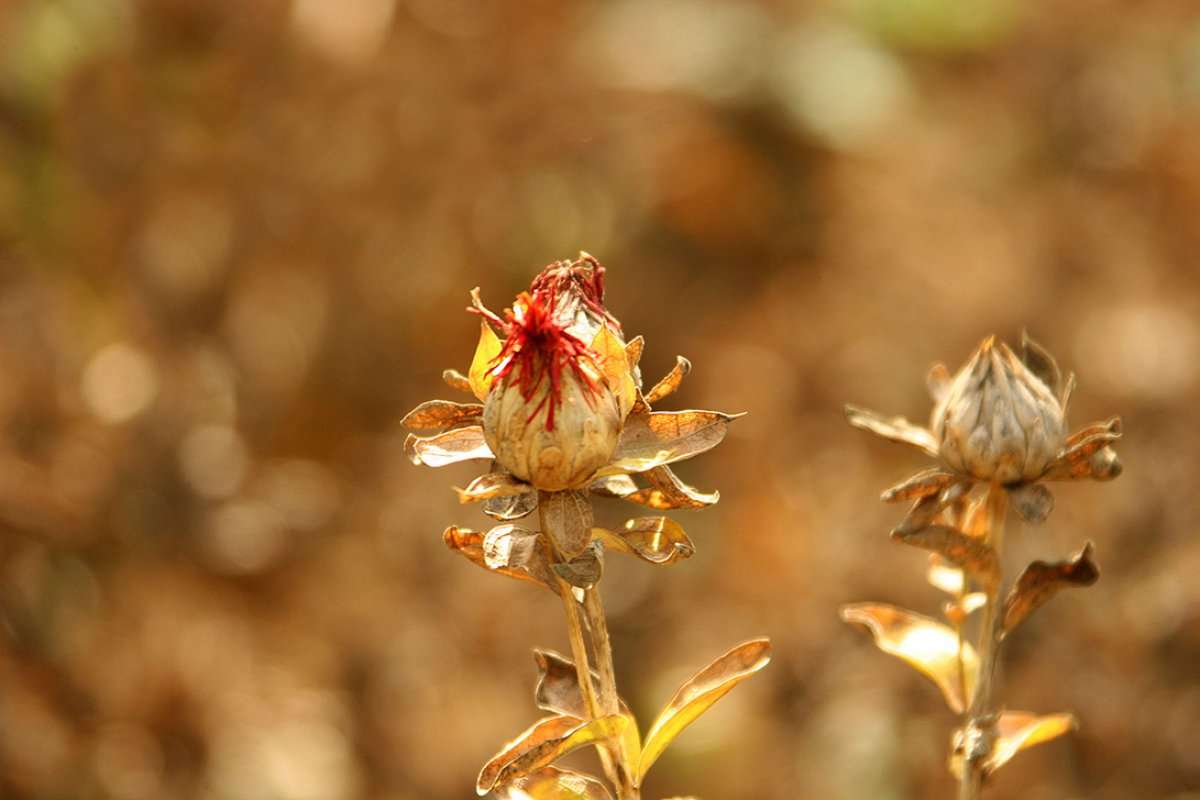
(1041, 580)
(541, 745)
(437, 414)
(658, 540)
(973, 555)
(584, 570)
(699, 693)
(670, 382)
(1033, 502)
(521, 561)
(449, 447)
(567, 518)
(552, 783)
(932, 648)
(895, 429)
(456, 380)
(480, 375)
(493, 484)
(923, 484)
(664, 437)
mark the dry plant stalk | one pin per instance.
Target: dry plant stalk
(563, 419)
(998, 431)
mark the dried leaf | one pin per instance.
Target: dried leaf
(584, 570)
(614, 366)
(973, 555)
(670, 382)
(486, 352)
(567, 520)
(664, 437)
(938, 382)
(896, 429)
(552, 783)
(929, 646)
(1087, 454)
(542, 744)
(511, 507)
(615, 486)
(493, 484)
(699, 693)
(1041, 363)
(449, 447)
(518, 559)
(1014, 731)
(658, 540)
(924, 484)
(928, 508)
(1033, 502)
(633, 352)
(456, 380)
(437, 414)
(1041, 580)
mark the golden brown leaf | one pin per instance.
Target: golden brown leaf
(667, 491)
(617, 486)
(584, 570)
(699, 693)
(929, 646)
(456, 380)
(614, 366)
(973, 555)
(633, 352)
(896, 429)
(658, 540)
(511, 507)
(664, 437)
(1042, 580)
(519, 558)
(480, 375)
(437, 414)
(493, 484)
(925, 483)
(1015, 731)
(567, 517)
(542, 744)
(552, 783)
(558, 691)
(449, 447)
(670, 382)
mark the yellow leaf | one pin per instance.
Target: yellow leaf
(505, 550)
(486, 351)
(614, 365)
(542, 744)
(699, 693)
(670, 382)
(1017, 731)
(929, 646)
(658, 540)
(660, 438)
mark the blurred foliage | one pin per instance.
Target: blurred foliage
(235, 246)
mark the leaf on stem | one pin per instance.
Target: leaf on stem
(448, 447)
(664, 437)
(456, 380)
(895, 429)
(584, 570)
(1033, 502)
(633, 351)
(927, 645)
(493, 484)
(616, 486)
(437, 414)
(510, 507)
(567, 517)
(517, 553)
(1015, 731)
(968, 552)
(667, 491)
(480, 375)
(670, 382)
(658, 540)
(925, 483)
(552, 783)
(699, 693)
(542, 744)
(1041, 580)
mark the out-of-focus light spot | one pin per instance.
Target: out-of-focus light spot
(185, 242)
(213, 459)
(943, 26)
(245, 536)
(837, 85)
(276, 321)
(129, 763)
(119, 383)
(347, 32)
(710, 48)
(1147, 351)
(304, 492)
(310, 760)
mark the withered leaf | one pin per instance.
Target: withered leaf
(928, 508)
(1033, 502)
(925, 483)
(699, 693)
(968, 552)
(510, 507)
(929, 646)
(658, 540)
(567, 519)
(552, 783)
(1015, 731)
(1042, 580)
(584, 570)
(1041, 363)
(437, 414)
(633, 352)
(1087, 454)
(543, 744)
(449, 447)
(664, 437)
(493, 484)
(670, 382)
(456, 380)
(614, 366)
(896, 429)
(667, 491)
(486, 352)
(617, 486)
(518, 559)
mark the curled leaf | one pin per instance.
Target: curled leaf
(567, 518)
(931, 647)
(486, 352)
(449, 447)
(521, 556)
(924, 484)
(667, 491)
(456, 380)
(1014, 731)
(896, 429)
(699, 693)
(552, 783)
(1087, 453)
(973, 555)
(493, 484)
(658, 540)
(670, 382)
(1042, 580)
(437, 414)
(664, 437)
(1033, 502)
(543, 744)
(633, 352)
(584, 570)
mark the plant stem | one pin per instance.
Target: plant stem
(609, 699)
(979, 722)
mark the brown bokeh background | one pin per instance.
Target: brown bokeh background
(235, 244)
